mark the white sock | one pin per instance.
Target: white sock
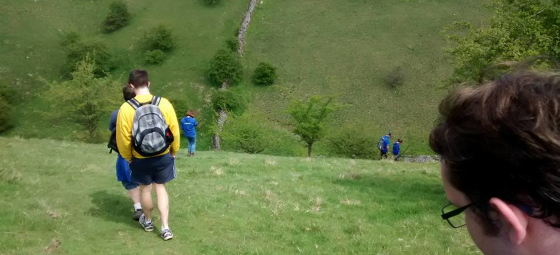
(137, 206)
(162, 229)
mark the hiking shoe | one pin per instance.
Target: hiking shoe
(137, 214)
(148, 226)
(166, 234)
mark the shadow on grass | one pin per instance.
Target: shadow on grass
(112, 207)
(400, 187)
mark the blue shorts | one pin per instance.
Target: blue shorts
(158, 170)
(129, 185)
(123, 170)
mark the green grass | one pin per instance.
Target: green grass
(222, 203)
(347, 47)
(31, 33)
(319, 47)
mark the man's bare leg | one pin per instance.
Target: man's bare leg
(146, 201)
(134, 195)
(163, 205)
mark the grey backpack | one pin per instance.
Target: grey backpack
(150, 134)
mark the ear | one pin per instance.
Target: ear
(149, 84)
(513, 216)
(132, 86)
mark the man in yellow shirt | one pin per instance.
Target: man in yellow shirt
(146, 169)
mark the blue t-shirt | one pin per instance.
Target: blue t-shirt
(396, 148)
(188, 124)
(113, 120)
(386, 142)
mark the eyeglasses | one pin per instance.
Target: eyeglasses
(454, 215)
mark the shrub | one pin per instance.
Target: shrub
(232, 44)
(6, 115)
(159, 38)
(225, 66)
(9, 94)
(180, 105)
(154, 57)
(69, 39)
(230, 101)
(77, 50)
(245, 135)
(265, 74)
(212, 2)
(353, 142)
(395, 78)
(118, 17)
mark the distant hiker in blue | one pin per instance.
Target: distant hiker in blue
(397, 149)
(123, 171)
(383, 145)
(189, 124)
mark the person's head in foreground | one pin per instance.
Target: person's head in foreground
(500, 150)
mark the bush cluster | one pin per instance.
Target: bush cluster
(232, 44)
(77, 50)
(353, 142)
(154, 57)
(229, 101)
(395, 78)
(225, 66)
(265, 74)
(212, 2)
(118, 17)
(247, 136)
(159, 38)
(6, 115)
(158, 41)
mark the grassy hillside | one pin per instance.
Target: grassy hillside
(348, 47)
(63, 197)
(32, 32)
(320, 47)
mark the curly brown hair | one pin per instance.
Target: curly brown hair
(502, 139)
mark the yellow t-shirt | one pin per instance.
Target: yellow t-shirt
(125, 120)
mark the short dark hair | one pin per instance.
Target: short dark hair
(400, 140)
(502, 139)
(128, 92)
(138, 78)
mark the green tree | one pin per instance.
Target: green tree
(83, 100)
(225, 67)
(118, 17)
(229, 101)
(159, 38)
(77, 49)
(310, 117)
(517, 30)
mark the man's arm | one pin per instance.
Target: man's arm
(124, 134)
(171, 118)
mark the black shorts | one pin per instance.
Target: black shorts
(158, 170)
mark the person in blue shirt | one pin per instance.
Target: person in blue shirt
(397, 149)
(385, 142)
(123, 171)
(189, 124)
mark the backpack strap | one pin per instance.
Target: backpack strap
(134, 103)
(156, 100)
